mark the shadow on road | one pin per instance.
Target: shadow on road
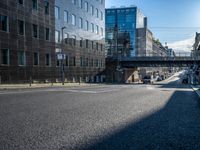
(176, 126)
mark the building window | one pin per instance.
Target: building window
(92, 9)
(97, 29)
(47, 60)
(101, 1)
(3, 23)
(96, 63)
(57, 36)
(87, 43)
(101, 63)
(86, 6)
(86, 62)
(97, 13)
(73, 19)
(65, 16)
(101, 47)
(47, 34)
(92, 27)
(57, 62)
(92, 62)
(5, 57)
(101, 31)
(57, 12)
(92, 45)
(81, 42)
(74, 2)
(80, 3)
(97, 46)
(46, 7)
(80, 23)
(21, 58)
(66, 37)
(81, 61)
(21, 27)
(35, 31)
(74, 40)
(34, 4)
(86, 25)
(21, 2)
(101, 15)
(67, 60)
(35, 59)
(73, 61)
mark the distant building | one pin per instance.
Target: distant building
(121, 25)
(171, 52)
(144, 44)
(159, 49)
(121, 29)
(196, 46)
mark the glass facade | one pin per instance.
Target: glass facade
(121, 24)
(85, 29)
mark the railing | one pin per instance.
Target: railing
(180, 56)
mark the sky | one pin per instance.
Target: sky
(173, 21)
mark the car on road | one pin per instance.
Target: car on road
(185, 80)
(158, 78)
(147, 80)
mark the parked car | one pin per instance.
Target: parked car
(147, 79)
(185, 80)
(158, 78)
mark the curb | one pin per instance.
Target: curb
(196, 90)
(48, 86)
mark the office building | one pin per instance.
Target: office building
(79, 35)
(34, 33)
(121, 41)
(27, 49)
(121, 25)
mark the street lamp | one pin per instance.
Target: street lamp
(62, 52)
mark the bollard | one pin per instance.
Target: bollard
(51, 82)
(30, 81)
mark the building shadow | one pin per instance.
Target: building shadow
(175, 126)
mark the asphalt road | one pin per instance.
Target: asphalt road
(116, 117)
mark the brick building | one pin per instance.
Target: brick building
(27, 48)
(31, 37)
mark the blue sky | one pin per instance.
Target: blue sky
(164, 18)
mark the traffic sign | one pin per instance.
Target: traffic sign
(61, 56)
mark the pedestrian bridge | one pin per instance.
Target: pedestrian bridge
(155, 61)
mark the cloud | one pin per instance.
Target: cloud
(182, 46)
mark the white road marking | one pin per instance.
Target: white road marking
(89, 91)
(150, 87)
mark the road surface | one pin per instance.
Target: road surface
(116, 117)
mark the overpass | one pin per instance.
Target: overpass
(154, 61)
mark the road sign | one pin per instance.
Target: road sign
(61, 56)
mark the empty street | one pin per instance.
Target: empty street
(159, 116)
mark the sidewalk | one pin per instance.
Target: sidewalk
(196, 88)
(43, 85)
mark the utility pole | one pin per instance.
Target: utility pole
(62, 60)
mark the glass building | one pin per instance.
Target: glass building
(121, 25)
(80, 35)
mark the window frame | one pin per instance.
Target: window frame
(8, 57)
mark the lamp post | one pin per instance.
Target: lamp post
(62, 60)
